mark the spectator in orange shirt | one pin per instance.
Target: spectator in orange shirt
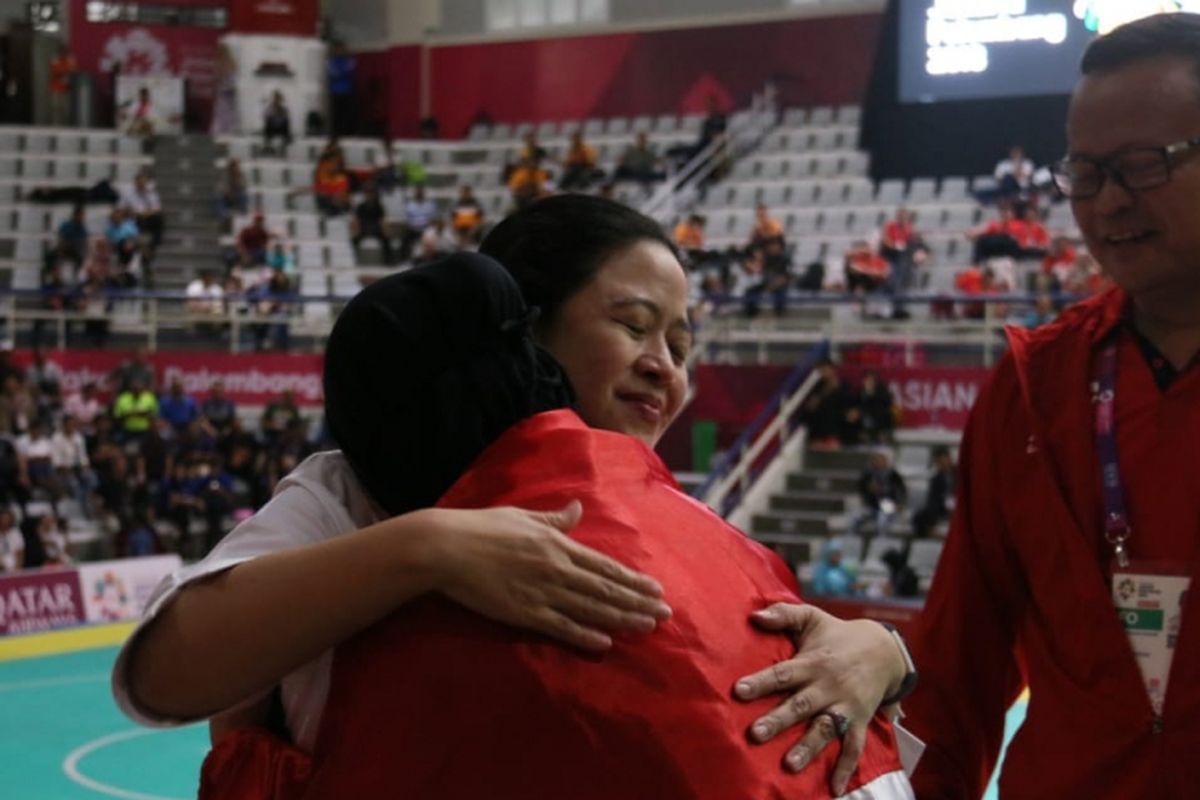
(1031, 235)
(866, 270)
(527, 182)
(579, 165)
(689, 233)
(1059, 262)
(904, 249)
(998, 237)
(331, 185)
(62, 69)
(766, 228)
(467, 216)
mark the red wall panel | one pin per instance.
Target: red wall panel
(812, 61)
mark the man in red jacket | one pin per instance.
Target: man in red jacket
(1077, 528)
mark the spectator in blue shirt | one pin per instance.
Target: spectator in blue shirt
(341, 89)
(178, 408)
(218, 409)
(419, 214)
(122, 234)
(73, 236)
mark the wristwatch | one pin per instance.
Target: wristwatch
(910, 678)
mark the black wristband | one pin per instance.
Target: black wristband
(910, 678)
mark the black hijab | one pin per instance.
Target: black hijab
(426, 368)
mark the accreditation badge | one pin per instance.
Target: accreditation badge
(1149, 600)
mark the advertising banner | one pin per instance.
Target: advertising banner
(118, 590)
(39, 600)
(250, 379)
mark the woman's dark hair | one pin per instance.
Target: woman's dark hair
(1155, 36)
(555, 246)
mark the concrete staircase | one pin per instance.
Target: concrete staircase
(187, 178)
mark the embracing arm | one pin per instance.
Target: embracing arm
(228, 637)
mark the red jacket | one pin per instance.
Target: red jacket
(1022, 592)
(438, 702)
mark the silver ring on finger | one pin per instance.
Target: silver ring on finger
(841, 723)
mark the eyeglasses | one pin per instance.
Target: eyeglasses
(1080, 177)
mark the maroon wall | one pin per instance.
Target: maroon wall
(812, 61)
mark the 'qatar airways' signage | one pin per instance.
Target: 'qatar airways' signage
(40, 601)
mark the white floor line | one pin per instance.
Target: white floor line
(42, 683)
(70, 765)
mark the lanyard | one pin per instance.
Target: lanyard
(1104, 386)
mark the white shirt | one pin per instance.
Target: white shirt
(12, 544)
(143, 202)
(83, 410)
(68, 451)
(205, 299)
(319, 500)
(34, 448)
(1009, 167)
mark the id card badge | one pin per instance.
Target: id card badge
(1149, 599)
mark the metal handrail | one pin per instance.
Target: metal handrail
(737, 140)
(735, 470)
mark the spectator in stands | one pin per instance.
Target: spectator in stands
(1042, 313)
(217, 409)
(532, 150)
(527, 182)
(640, 163)
(1087, 279)
(98, 265)
(466, 218)
(280, 260)
(195, 488)
(178, 407)
(689, 236)
(387, 175)
(137, 369)
(123, 234)
(904, 249)
(252, 242)
(580, 166)
(1000, 238)
(341, 90)
(18, 406)
(272, 301)
(138, 537)
(73, 236)
(766, 230)
(1059, 262)
(278, 415)
(866, 270)
(141, 118)
(134, 410)
(332, 149)
(832, 578)
(277, 126)
(241, 454)
(878, 409)
(331, 186)
(437, 241)
(831, 413)
(37, 451)
(882, 491)
(45, 377)
(206, 298)
(712, 129)
(14, 481)
(63, 68)
(939, 499)
(232, 196)
(902, 579)
(370, 222)
(144, 204)
(70, 460)
(765, 273)
(1014, 175)
(974, 280)
(419, 213)
(55, 296)
(12, 543)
